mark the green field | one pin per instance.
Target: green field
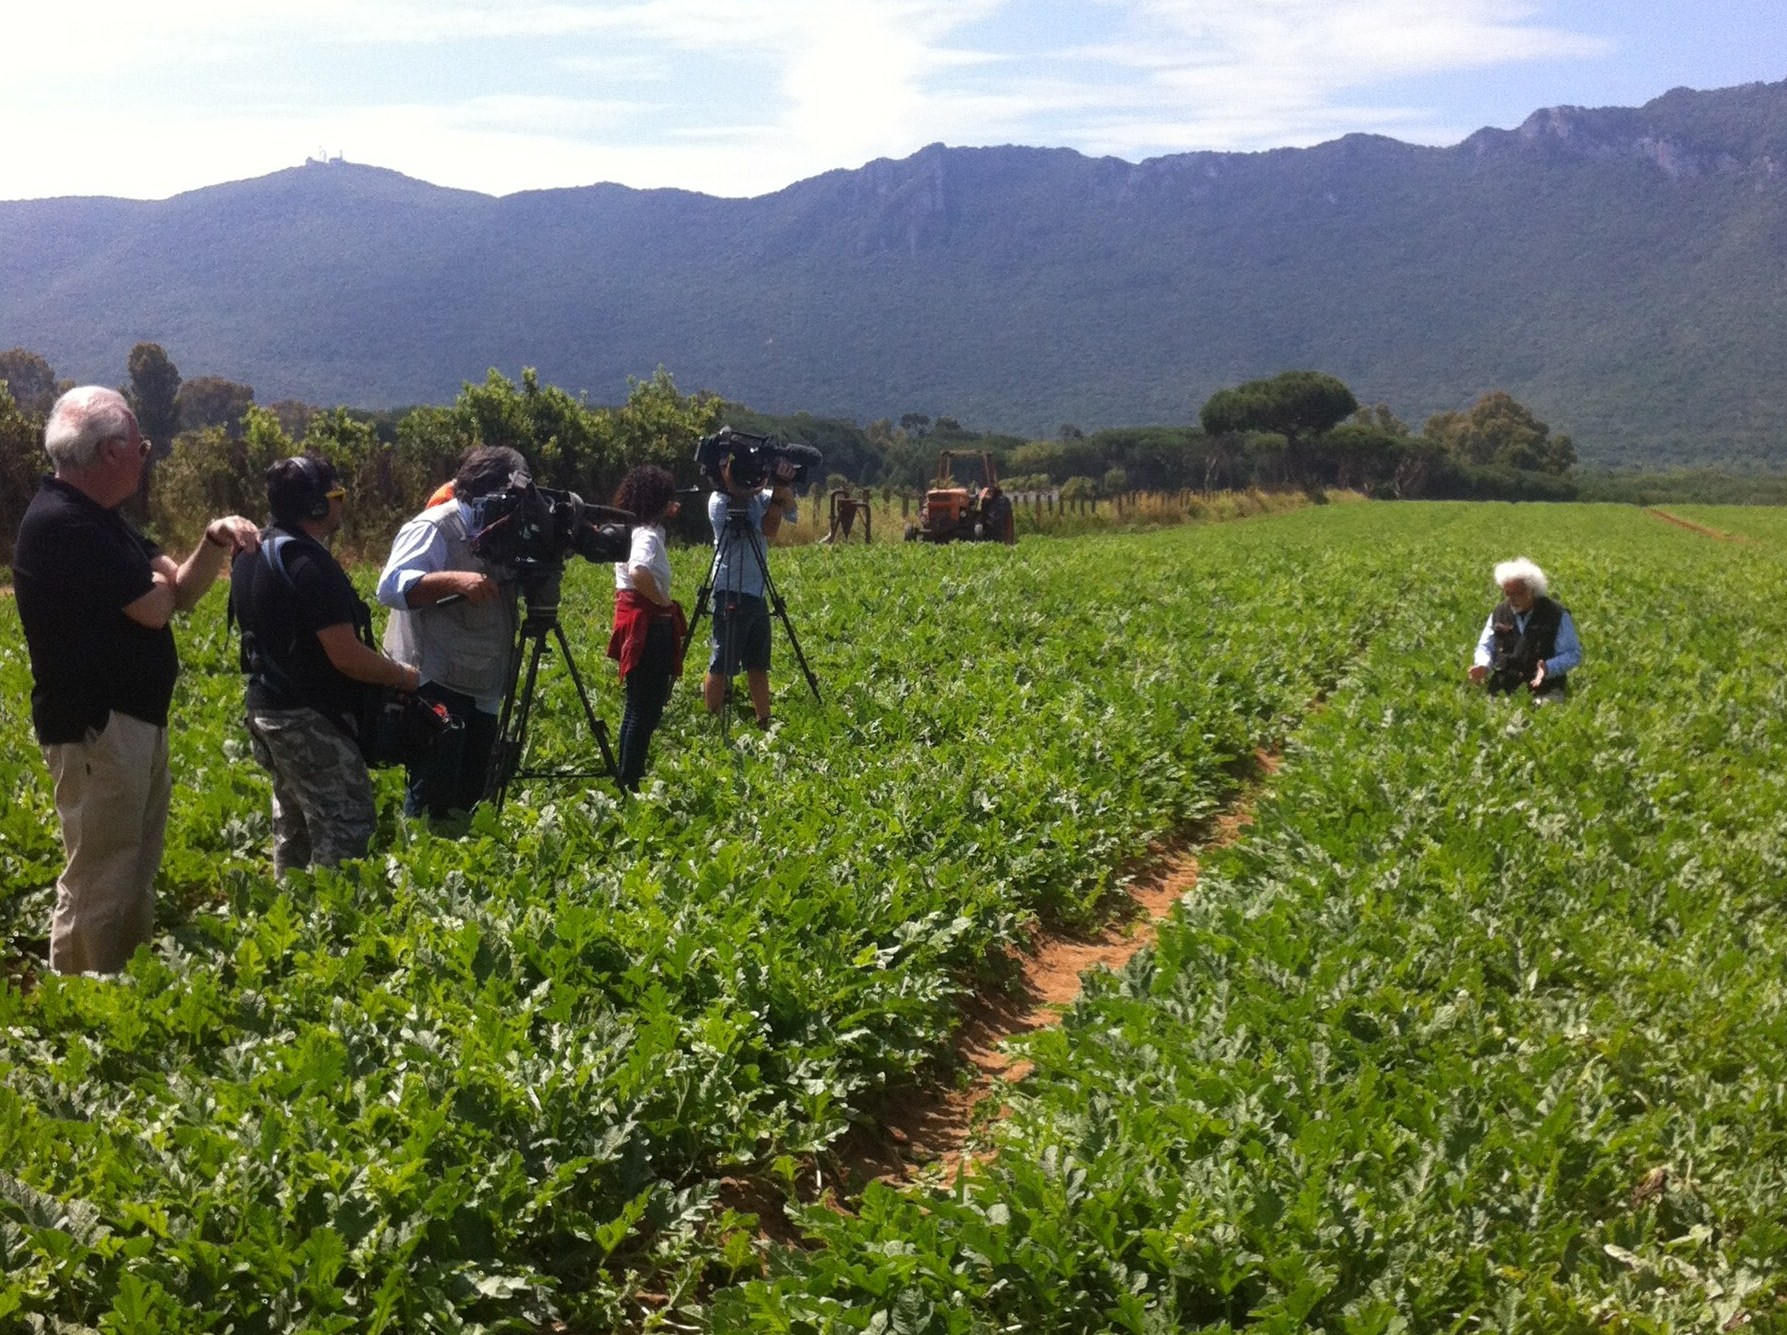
(1479, 1025)
(1759, 523)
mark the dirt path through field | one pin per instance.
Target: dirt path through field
(933, 1126)
(1701, 529)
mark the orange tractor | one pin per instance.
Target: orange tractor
(963, 512)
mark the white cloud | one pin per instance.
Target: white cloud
(728, 96)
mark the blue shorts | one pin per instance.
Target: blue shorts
(740, 634)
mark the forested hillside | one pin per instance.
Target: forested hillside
(1620, 270)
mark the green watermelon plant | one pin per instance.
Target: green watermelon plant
(518, 1077)
(1479, 1027)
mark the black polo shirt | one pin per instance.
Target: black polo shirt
(285, 617)
(75, 567)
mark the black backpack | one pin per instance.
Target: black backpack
(391, 727)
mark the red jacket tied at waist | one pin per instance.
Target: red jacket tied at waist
(633, 616)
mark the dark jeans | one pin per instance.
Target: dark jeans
(648, 690)
(453, 776)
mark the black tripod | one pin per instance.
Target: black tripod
(540, 589)
(742, 534)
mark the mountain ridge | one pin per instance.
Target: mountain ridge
(1616, 268)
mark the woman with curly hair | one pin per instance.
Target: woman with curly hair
(649, 629)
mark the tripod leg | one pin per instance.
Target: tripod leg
(707, 590)
(701, 603)
(728, 658)
(511, 741)
(597, 728)
(780, 610)
(704, 607)
(497, 771)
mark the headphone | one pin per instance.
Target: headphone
(305, 484)
(317, 484)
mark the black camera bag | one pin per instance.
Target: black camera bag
(400, 728)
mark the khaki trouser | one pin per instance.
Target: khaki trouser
(112, 793)
(323, 809)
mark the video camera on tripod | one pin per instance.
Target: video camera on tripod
(738, 463)
(531, 530)
(527, 526)
(752, 458)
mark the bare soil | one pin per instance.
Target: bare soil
(934, 1127)
(1701, 529)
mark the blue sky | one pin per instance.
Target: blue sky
(742, 97)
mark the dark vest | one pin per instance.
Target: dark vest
(1515, 655)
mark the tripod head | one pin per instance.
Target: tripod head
(539, 582)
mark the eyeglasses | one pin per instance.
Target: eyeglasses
(143, 444)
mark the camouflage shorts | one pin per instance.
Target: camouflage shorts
(322, 795)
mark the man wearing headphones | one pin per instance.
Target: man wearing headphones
(302, 627)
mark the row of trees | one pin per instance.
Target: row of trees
(1299, 429)
(390, 462)
(165, 404)
(1308, 429)
(571, 445)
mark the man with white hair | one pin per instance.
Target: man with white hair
(95, 597)
(1529, 640)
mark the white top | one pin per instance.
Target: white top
(648, 551)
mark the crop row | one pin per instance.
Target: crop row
(1481, 1026)
(509, 1079)
(1756, 523)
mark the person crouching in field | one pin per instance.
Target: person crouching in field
(1529, 640)
(649, 629)
(95, 597)
(306, 641)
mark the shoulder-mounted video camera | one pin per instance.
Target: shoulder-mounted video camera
(526, 526)
(752, 458)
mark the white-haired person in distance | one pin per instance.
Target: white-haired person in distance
(1529, 640)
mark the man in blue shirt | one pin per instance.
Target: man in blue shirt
(454, 618)
(740, 614)
(1529, 640)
